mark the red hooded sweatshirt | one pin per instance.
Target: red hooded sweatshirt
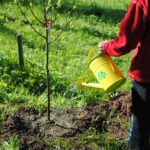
(134, 34)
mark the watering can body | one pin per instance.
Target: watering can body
(109, 77)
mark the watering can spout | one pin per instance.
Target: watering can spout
(92, 85)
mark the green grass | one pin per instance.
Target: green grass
(13, 144)
(94, 142)
(90, 23)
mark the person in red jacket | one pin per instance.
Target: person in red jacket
(135, 34)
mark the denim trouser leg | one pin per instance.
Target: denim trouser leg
(134, 139)
(139, 134)
(140, 121)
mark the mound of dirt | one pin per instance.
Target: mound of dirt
(121, 105)
(31, 127)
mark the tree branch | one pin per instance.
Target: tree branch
(54, 17)
(30, 22)
(35, 15)
(66, 23)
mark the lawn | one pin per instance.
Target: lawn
(90, 22)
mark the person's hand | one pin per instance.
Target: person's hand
(101, 46)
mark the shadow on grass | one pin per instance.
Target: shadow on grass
(23, 2)
(90, 31)
(16, 76)
(32, 77)
(7, 31)
(108, 15)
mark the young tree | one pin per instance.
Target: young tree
(51, 6)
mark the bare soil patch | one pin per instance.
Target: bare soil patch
(31, 128)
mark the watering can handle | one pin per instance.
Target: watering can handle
(89, 60)
(108, 58)
(90, 53)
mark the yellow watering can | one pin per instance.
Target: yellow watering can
(105, 71)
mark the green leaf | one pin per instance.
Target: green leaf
(15, 1)
(58, 3)
(31, 4)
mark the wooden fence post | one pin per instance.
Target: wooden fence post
(20, 50)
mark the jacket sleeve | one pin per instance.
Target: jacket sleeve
(131, 31)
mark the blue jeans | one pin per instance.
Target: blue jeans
(139, 137)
